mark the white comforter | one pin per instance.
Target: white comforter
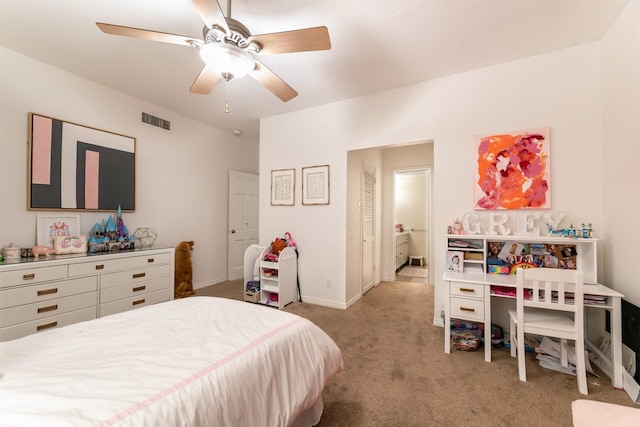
(198, 361)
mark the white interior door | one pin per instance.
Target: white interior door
(243, 220)
(367, 202)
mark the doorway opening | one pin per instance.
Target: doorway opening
(411, 213)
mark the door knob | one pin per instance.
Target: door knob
(233, 231)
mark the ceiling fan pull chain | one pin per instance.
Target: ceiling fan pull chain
(226, 105)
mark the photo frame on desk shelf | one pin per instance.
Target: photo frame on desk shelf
(48, 227)
(455, 261)
(283, 187)
(315, 185)
(78, 168)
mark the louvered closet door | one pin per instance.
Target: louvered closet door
(368, 200)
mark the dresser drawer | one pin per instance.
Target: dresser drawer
(473, 290)
(32, 275)
(96, 267)
(148, 260)
(134, 302)
(46, 291)
(470, 309)
(135, 276)
(24, 329)
(40, 310)
(115, 293)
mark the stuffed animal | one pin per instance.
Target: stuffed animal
(183, 279)
(278, 245)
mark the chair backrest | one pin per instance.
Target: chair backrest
(552, 289)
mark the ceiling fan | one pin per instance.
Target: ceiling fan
(227, 48)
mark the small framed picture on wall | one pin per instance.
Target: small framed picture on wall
(283, 187)
(315, 185)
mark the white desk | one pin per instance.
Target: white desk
(469, 298)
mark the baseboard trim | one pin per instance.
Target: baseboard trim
(324, 303)
(209, 283)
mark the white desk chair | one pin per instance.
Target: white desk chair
(549, 316)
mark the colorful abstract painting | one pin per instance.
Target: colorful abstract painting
(79, 168)
(513, 170)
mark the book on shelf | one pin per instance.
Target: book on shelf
(473, 256)
(465, 244)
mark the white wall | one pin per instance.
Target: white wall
(561, 90)
(181, 177)
(621, 151)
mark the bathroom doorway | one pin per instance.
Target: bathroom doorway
(411, 201)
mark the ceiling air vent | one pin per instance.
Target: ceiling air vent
(156, 121)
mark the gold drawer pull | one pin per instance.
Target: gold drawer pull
(139, 288)
(48, 291)
(50, 308)
(28, 276)
(150, 260)
(468, 309)
(467, 290)
(100, 267)
(140, 301)
(47, 326)
(138, 275)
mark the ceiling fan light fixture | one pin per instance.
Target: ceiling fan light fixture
(227, 60)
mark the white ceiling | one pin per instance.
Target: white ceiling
(376, 45)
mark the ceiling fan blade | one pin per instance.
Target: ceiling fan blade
(273, 83)
(211, 13)
(308, 39)
(205, 81)
(119, 30)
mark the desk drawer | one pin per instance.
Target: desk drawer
(473, 290)
(464, 308)
(148, 260)
(46, 291)
(45, 309)
(32, 275)
(133, 302)
(96, 267)
(24, 329)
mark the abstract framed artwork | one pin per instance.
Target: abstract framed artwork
(315, 185)
(283, 187)
(512, 170)
(48, 227)
(74, 167)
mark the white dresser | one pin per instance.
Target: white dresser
(66, 289)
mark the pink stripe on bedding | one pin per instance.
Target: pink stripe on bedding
(159, 396)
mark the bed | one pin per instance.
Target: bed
(198, 361)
